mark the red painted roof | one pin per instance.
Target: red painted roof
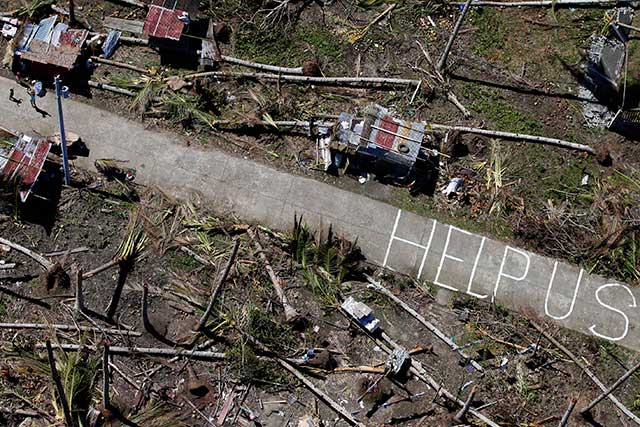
(163, 23)
(24, 160)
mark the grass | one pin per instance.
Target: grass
(491, 105)
(491, 38)
(3, 309)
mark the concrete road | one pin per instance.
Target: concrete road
(453, 259)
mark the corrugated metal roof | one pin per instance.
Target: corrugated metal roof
(65, 55)
(23, 161)
(163, 23)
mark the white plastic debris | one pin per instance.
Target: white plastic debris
(585, 180)
(362, 313)
(453, 187)
(397, 361)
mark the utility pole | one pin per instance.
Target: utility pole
(63, 137)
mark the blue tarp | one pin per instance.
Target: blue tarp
(110, 43)
(23, 44)
(45, 29)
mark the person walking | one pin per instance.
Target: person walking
(32, 97)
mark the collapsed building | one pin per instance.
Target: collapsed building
(49, 48)
(604, 83)
(392, 150)
(22, 158)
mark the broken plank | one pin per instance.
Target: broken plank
(128, 25)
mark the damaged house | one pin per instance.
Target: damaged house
(174, 29)
(21, 160)
(379, 144)
(49, 48)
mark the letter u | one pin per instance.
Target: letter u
(573, 301)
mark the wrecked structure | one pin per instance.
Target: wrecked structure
(50, 47)
(379, 144)
(605, 77)
(21, 160)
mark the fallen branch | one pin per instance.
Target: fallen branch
(264, 67)
(567, 413)
(48, 265)
(20, 412)
(467, 404)
(59, 387)
(290, 313)
(110, 88)
(629, 27)
(517, 136)
(62, 327)
(79, 303)
(119, 64)
(195, 256)
(610, 390)
(376, 286)
(32, 300)
(362, 369)
(8, 266)
(68, 252)
(216, 290)
(144, 351)
(588, 372)
(332, 81)
(100, 269)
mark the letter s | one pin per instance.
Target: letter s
(620, 312)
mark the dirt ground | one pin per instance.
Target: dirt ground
(517, 386)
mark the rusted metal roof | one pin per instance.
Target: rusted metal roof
(163, 23)
(21, 160)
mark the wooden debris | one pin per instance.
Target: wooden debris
(546, 3)
(443, 59)
(290, 313)
(119, 64)
(68, 252)
(377, 286)
(144, 351)
(100, 269)
(127, 25)
(131, 40)
(106, 404)
(584, 411)
(419, 371)
(135, 3)
(8, 266)
(69, 328)
(331, 81)
(62, 397)
(565, 418)
(588, 372)
(263, 67)
(517, 136)
(467, 404)
(79, 303)
(110, 88)
(214, 294)
(45, 263)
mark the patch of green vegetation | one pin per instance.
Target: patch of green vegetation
(248, 367)
(491, 105)
(186, 262)
(491, 38)
(279, 46)
(3, 309)
(273, 334)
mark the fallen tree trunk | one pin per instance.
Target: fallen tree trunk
(264, 67)
(119, 64)
(517, 136)
(132, 40)
(332, 81)
(588, 372)
(443, 59)
(136, 3)
(110, 88)
(61, 327)
(143, 351)
(547, 3)
(376, 286)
